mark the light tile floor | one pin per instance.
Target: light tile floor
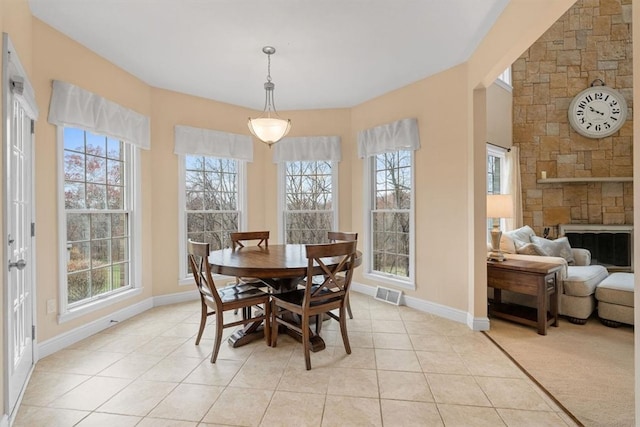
(407, 368)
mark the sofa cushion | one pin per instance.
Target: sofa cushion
(521, 235)
(581, 281)
(531, 249)
(618, 289)
(559, 247)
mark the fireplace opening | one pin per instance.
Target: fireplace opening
(610, 245)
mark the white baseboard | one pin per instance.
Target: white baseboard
(460, 316)
(478, 323)
(186, 296)
(66, 339)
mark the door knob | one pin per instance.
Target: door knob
(20, 264)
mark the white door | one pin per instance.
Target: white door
(18, 160)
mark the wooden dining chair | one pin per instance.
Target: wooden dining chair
(215, 301)
(240, 239)
(343, 236)
(316, 300)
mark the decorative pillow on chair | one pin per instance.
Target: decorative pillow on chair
(531, 249)
(559, 247)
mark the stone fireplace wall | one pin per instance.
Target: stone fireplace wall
(591, 41)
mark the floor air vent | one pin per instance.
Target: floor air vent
(388, 295)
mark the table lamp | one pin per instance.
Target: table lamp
(498, 206)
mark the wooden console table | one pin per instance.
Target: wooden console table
(539, 279)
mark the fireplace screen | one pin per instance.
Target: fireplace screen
(612, 248)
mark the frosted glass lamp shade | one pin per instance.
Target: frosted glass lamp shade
(268, 129)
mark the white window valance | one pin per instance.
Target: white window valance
(308, 148)
(400, 135)
(73, 106)
(207, 142)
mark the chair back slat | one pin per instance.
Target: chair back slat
(332, 258)
(239, 238)
(341, 236)
(198, 259)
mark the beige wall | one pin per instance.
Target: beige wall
(499, 116)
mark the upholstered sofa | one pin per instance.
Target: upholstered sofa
(578, 279)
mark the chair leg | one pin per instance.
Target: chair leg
(305, 341)
(274, 324)
(203, 321)
(218, 340)
(319, 323)
(348, 301)
(267, 323)
(343, 330)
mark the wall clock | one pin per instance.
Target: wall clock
(597, 111)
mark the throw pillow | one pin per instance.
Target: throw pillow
(510, 239)
(559, 247)
(531, 249)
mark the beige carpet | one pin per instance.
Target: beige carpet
(588, 368)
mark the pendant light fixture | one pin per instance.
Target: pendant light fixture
(269, 127)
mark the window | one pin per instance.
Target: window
(391, 207)
(98, 215)
(211, 188)
(496, 168)
(505, 78)
(211, 209)
(389, 183)
(309, 208)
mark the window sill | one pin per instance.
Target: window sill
(97, 305)
(390, 280)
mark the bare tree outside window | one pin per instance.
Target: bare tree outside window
(211, 210)
(308, 201)
(97, 215)
(390, 213)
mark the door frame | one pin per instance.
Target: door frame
(10, 58)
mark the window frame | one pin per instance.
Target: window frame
(505, 79)
(133, 182)
(500, 153)
(282, 182)
(369, 200)
(185, 278)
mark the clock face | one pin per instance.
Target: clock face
(597, 112)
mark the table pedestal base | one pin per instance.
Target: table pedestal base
(245, 336)
(256, 331)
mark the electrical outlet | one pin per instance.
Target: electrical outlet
(51, 306)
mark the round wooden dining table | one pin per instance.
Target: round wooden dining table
(281, 267)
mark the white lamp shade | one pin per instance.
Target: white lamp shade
(499, 206)
(269, 129)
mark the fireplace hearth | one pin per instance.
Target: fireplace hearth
(610, 245)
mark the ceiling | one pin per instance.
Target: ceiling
(329, 53)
